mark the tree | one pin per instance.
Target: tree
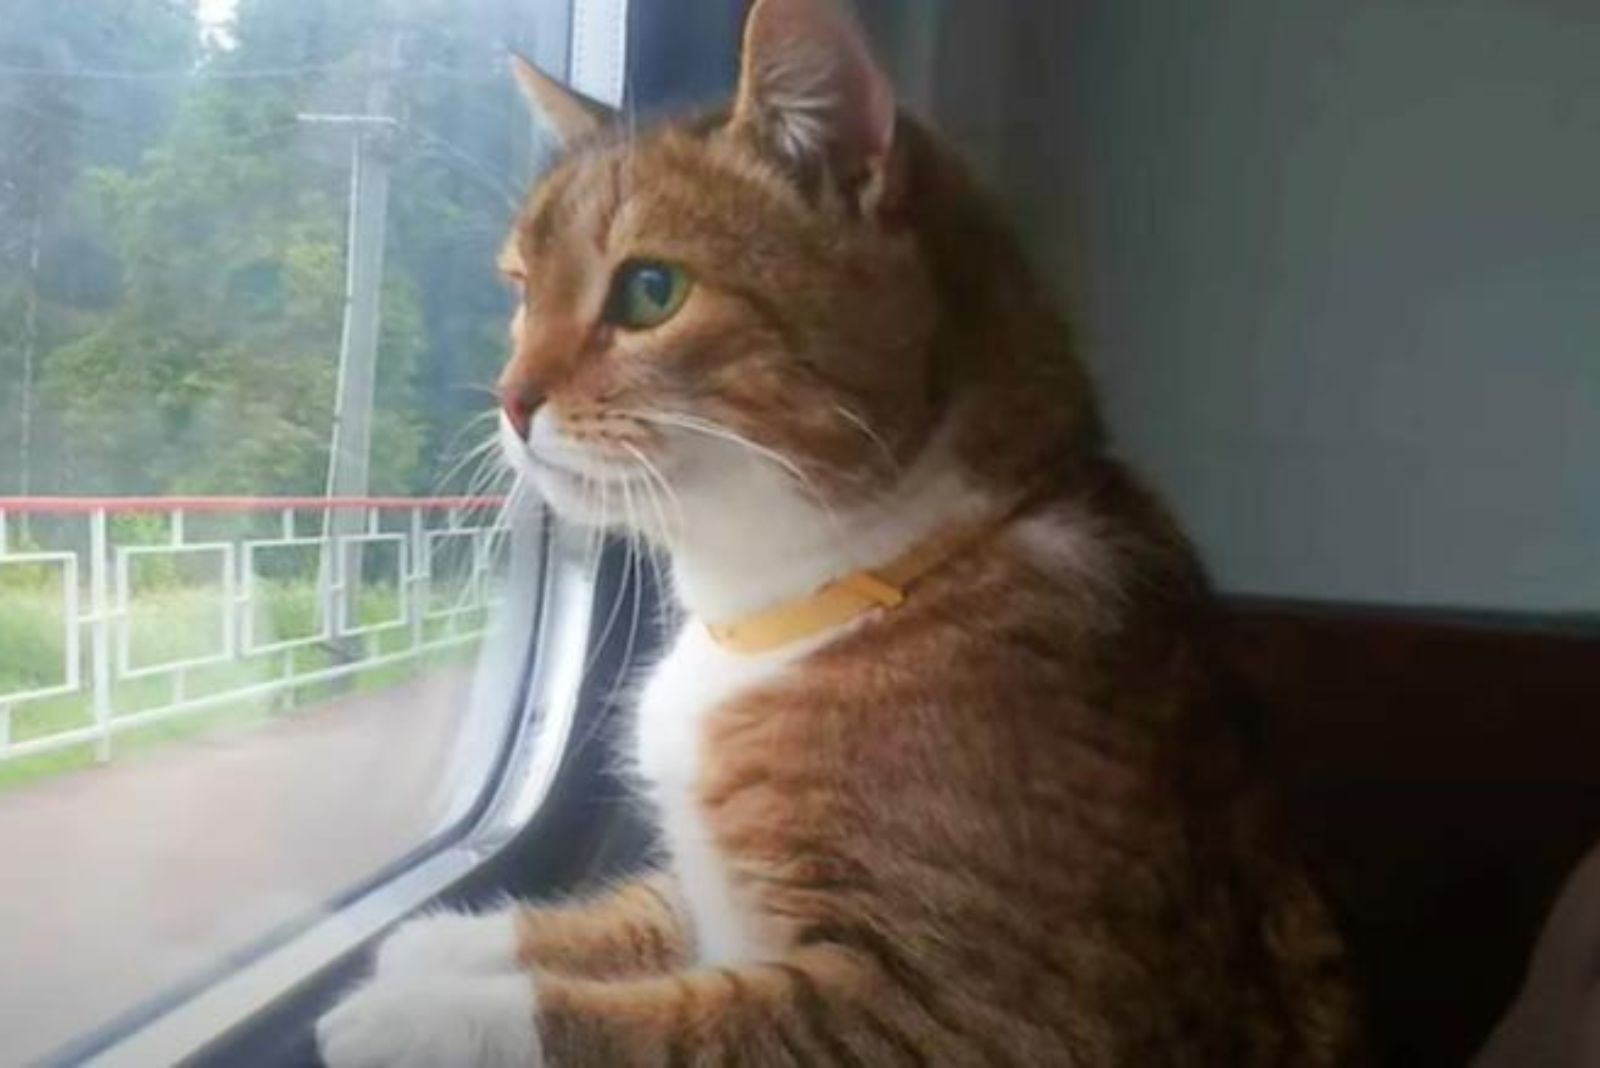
(54, 123)
(198, 350)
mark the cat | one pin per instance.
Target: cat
(939, 756)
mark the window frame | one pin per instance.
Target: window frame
(181, 1024)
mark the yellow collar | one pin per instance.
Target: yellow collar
(844, 599)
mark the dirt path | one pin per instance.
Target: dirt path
(119, 881)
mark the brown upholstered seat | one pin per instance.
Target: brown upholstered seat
(1448, 775)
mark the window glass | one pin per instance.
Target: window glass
(246, 261)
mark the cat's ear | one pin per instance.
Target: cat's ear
(812, 92)
(570, 115)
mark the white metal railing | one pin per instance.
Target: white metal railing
(418, 577)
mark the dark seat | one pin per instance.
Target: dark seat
(1447, 777)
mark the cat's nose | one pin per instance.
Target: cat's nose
(519, 405)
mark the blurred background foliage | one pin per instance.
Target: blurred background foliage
(172, 238)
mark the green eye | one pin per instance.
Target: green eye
(646, 293)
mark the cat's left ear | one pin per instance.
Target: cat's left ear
(812, 92)
(571, 116)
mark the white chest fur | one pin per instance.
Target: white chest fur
(670, 750)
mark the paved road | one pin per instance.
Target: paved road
(117, 881)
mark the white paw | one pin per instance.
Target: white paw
(449, 1021)
(451, 943)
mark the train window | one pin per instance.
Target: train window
(281, 646)
(286, 655)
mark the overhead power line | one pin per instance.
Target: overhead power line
(223, 74)
(240, 74)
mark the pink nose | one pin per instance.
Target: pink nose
(519, 408)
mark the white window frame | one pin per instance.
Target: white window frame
(570, 561)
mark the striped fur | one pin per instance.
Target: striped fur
(1026, 842)
(632, 931)
(1007, 823)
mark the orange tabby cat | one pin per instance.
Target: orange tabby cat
(937, 756)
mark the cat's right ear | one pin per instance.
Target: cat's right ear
(811, 91)
(571, 116)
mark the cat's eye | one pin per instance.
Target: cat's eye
(646, 293)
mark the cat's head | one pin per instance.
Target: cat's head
(795, 296)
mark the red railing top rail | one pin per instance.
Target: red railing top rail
(157, 505)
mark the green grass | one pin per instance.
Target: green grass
(173, 623)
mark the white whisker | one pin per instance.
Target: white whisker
(653, 479)
(476, 457)
(719, 432)
(870, 434)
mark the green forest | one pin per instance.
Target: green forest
(172, 238)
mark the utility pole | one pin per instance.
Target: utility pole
(349, 452)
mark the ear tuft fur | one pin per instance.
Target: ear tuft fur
(811, 89)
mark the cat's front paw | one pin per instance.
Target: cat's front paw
(451, 943)
(439, 1021)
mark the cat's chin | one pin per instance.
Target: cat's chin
(601, 503)
(595, 499)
